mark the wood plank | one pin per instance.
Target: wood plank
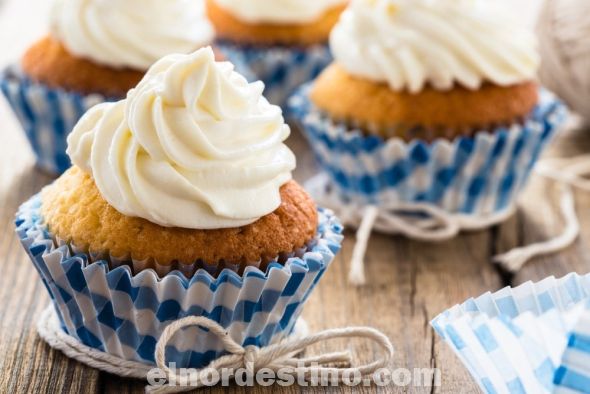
(410, 282)
(27, 363)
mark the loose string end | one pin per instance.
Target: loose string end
(515, 259)
(356, 275)
(343, 358)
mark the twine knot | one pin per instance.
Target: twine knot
(251, 358)
(279, 356)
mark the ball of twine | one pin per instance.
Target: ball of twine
(564, 43)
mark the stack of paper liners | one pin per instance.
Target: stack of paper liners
(534, 338)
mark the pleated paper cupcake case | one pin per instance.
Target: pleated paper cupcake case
(281, 68)
(479, 175)
(47, 116)
(123, 314)
(534, 338)
(187, 269)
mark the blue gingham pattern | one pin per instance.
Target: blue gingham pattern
(534, 338)
(470, 175)
(281, 68)
(124, 314)
(574, 372)
(47, 116)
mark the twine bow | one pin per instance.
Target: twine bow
(280, 356)
(277, 356)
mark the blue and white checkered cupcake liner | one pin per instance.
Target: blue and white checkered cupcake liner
(534, 338)
(115, 311)
(47, 115)
(281, 68)
(471, 175)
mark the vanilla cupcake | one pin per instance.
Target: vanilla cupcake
(429, 101)
(96, 51)
(282, 41)
(172, 210)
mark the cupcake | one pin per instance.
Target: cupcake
(282, 41)
(429, 102)
(180, 202)
(96, 51)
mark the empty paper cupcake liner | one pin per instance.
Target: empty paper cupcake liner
(472, 175)
(281, 68)
(47, 116)
(534, 338)
(109, 308)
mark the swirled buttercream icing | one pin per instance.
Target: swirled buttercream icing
(411, 43)
(130, 33)
(194, 145)
(278, 11)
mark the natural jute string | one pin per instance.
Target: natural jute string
(277, 356)
(427, 222)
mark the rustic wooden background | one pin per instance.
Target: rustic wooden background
(410, 282)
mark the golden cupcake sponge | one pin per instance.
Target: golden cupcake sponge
(75, 211)
(49, 62)
(231, 28)
(459, 111)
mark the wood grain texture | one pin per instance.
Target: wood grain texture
(410, 282)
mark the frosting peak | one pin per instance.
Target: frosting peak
(278, 11)
(412, 43)
(130, 33)
(194, 146)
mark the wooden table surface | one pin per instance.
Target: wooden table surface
(409, 282)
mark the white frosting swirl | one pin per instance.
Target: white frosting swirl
(193, 146)
(130, 33)
(411, 43)
(278, 11)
